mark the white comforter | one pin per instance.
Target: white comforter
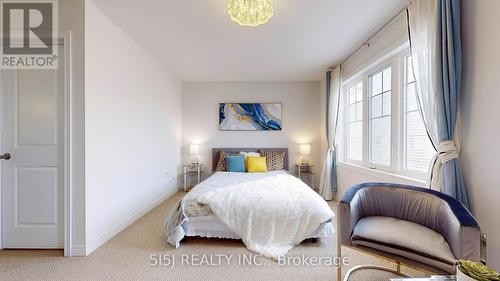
(270, 214)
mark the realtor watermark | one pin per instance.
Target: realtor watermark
(28, 34)
(220, 260)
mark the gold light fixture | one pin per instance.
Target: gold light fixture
(250, 12)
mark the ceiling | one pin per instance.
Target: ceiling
(197, 41)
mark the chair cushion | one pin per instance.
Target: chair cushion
(404, 238)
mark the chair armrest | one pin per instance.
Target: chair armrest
(464, 239)
(348, 217)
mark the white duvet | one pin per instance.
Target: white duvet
(270, 214)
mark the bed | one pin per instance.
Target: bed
(271, 212)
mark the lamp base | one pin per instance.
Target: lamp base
(304, 161)
(195, 161)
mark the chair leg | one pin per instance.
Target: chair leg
(339, 256)
(374, 267)
(339, 248)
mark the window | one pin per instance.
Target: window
(355, 122)
(380, 117)
(418, 147)
(383, 125)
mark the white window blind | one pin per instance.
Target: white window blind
(419, 149)
(380, 117)
(355, 122)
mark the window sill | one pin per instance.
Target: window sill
(381, 174)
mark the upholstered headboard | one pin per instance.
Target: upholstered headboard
(216, 154)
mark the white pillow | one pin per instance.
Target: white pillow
(250, 154)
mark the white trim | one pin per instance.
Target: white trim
(380, 173)
(127, 222)
(78, 251)
(364, 122)
(68, 214)
(365, 69)
(400, 110)
(1, 167)
(404, 149)
(346, 123)
(379, 69)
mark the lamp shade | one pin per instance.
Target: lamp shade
(193, 149)
(305, 149)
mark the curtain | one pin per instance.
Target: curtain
(328, 182)
(434, 27)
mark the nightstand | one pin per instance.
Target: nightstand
(305, 173)
(192, 175)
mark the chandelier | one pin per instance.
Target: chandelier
(250, 12)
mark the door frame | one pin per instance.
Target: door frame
(64, 41)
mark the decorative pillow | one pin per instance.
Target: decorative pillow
(275, 160)
(221, 164)
(257, 165)
(249, 154)
(235, 164)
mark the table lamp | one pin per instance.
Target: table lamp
(193, 150)
(305, 149)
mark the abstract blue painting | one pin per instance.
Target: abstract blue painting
(250, 116)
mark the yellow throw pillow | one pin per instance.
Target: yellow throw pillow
(257, 164)
(249, 154)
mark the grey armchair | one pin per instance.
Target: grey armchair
(416, 226)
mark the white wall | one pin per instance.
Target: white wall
(132, 129)
(480, 114)
(301, 117)
(390, 37)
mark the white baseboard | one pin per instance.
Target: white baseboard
(78, 251)
(130, 220)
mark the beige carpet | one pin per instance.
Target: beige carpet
(128, 256)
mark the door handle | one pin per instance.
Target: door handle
(5, 156)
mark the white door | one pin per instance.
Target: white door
(32, 128)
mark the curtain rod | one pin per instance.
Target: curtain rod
(367, 41)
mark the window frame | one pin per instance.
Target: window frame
(346, 104)
(404, 149)
(379, 69)
(397, 61)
